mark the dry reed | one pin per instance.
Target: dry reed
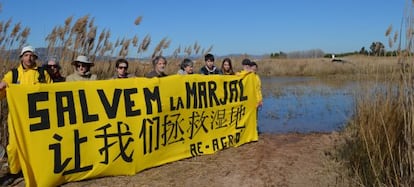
(378, 150)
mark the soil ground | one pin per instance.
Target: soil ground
(274, 160)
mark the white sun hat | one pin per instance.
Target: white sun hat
(82, 59)
(28, 49)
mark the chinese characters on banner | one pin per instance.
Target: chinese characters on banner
(77, 130)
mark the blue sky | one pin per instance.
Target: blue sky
(230, 26)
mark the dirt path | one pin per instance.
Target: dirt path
(275, 160)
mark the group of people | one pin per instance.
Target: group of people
(186, 66)
(82, 71)
(29, 73)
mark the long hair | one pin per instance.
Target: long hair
(230, 71)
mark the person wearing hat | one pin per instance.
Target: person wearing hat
(82, 72)
(53, 68)
(27, 73)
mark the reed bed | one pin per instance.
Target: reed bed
(322, 67)
(378, 141)
(378, 146)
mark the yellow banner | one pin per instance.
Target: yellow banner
(72, 131)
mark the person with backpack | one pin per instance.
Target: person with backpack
(27, 73)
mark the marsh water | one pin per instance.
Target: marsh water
(306, 104)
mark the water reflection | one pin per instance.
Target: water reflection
(303, 104)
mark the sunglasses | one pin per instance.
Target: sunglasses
(52, 66)
(83, 65)
(122, 67)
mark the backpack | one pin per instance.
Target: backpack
(41, 78)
